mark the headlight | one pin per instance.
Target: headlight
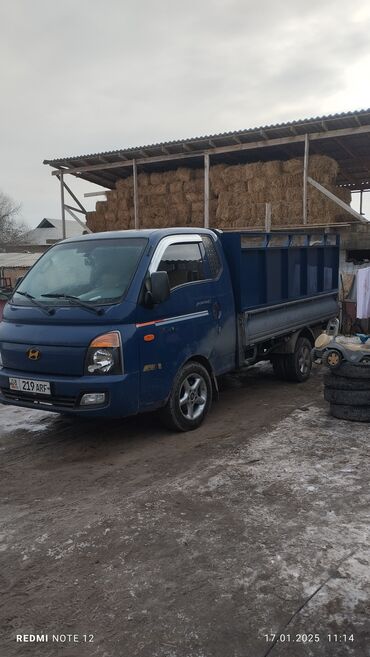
(104, 355)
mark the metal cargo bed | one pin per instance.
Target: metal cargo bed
(282, 281)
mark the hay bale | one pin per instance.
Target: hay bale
(293, 166)
(143, 179)
(176, 187)
(271, 169)
(256, 185)
(252, 170)
(194, 186)
(158, 189)
(183, 174)
(232, 174)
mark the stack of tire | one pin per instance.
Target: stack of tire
(347, 389)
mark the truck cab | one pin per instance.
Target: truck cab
(102, 324)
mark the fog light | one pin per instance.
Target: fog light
(92, 398)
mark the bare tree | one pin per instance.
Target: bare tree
(11, 230)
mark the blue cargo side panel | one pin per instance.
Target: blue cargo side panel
(267, 271)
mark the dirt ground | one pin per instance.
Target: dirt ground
(139, 542)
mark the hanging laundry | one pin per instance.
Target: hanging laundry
(363, 293)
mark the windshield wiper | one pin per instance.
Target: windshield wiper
(35, 302)
(76, 300)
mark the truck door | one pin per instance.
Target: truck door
(189, 323)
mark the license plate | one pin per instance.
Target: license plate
(29, 385)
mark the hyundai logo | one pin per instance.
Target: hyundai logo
(33, 353)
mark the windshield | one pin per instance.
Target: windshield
(91, 271)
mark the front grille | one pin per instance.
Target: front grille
(38, 400)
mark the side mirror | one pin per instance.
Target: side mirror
(159, 288)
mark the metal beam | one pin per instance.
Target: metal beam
(330, 134)
(305, 174)
(206, 191)
(337, 200)
(136, 196)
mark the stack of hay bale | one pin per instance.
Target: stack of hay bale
(238, 194)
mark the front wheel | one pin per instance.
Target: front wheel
(190, 398)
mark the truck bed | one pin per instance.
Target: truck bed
(282, 281)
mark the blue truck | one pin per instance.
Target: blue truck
(118, 323)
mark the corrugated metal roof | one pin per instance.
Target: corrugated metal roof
(303, 124)
(343, 149)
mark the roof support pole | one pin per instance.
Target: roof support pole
(305, 174)
(136, 196)
(62, 205)
(268, 217)
(337, 200)
(206, 190)
(361, 199)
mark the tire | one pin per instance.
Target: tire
(332, 359)
(352, 413)
(348, 370)
(342, 383)
(348, 397)
(298, 365)
(184, 411)
(278, 365)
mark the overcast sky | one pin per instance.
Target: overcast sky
(83, 76)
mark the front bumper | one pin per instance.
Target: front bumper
(122, 394)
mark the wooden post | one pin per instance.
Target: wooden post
(63, 206)
(206, 190)
(305, 174)
(136, 197)
(268, 217)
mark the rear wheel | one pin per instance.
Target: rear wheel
(190, 398)
(296, 366)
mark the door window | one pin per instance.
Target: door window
(183, 264)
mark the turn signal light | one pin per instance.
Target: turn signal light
(107, 340)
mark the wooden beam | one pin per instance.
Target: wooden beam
(62, 205)
(280, 141)
(88, 194)
(74, 197)
(78, 221)
(267, 217)
(337, 200)
(305, 174)
(206, 190)
(136, 196)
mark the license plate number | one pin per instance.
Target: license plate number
(29, 385)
